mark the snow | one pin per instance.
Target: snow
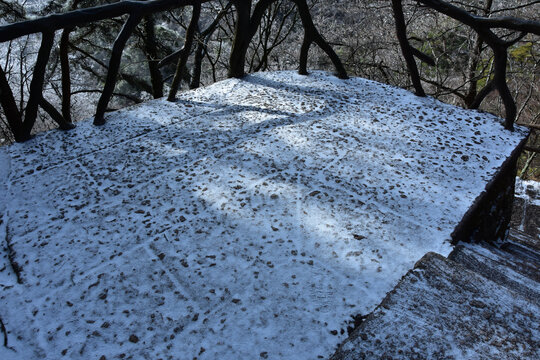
(249, 219)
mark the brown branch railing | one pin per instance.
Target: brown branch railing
(248, 21)
(246, 29)
(21, 127)
(86, 16)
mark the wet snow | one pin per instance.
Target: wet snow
(249, 219)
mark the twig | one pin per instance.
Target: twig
(11, 257)
(527, 164)
(4, 331)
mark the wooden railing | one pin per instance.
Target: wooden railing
(20, 125)
(248, 20)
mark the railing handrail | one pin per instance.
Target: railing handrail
(85, 16)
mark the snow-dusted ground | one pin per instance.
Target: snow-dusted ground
(528, 190)
(250, 219)
(526, 212)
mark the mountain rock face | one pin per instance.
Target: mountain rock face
(251, 218)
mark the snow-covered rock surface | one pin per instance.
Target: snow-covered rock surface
(249, 219)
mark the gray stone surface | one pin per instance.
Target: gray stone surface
(453, 310)
(518, 273)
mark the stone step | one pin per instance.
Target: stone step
(443, 310)
(515, 272)
(519, 237)
(519, 256)
(526, 253)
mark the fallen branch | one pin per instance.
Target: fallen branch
(11, 257)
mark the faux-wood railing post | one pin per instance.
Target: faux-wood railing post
(66, 75)
(55, 115)
(406, 50)
(186, 50)
(241, 38)
(152, 55)
(312, 35)
(501, 61)
(36, 85)
(114, 66)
